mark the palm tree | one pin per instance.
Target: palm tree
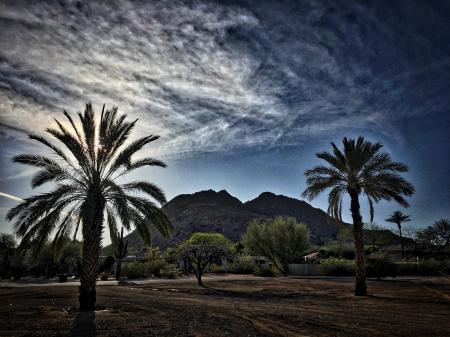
(359, 169)
(398, 218)
(86, 191)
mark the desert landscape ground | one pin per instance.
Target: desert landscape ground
(245, 306)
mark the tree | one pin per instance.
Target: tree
(437, 234)
(377, 235)
(120, 247)
(281, 240)
(358, 169)
(413, 235)
(201, 249)
(398, 218)
(87, 193)
(7, 245)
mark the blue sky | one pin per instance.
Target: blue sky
(242, 93)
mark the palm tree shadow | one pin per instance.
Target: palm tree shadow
(83, 324)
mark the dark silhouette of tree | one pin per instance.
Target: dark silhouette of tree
(398, 218)
(358, 169)
(7, 246)
(87, 194)
(436, 235)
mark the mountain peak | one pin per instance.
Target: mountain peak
(266, 195)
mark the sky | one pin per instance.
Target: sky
(242, 93)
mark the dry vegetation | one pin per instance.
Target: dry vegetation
(247, 307)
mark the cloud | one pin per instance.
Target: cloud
(212, 77)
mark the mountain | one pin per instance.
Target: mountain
(211, 211)
(319, 223)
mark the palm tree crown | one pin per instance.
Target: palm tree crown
(398, 218)
(359, 168)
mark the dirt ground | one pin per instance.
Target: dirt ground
(247, 307)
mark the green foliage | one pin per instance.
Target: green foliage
(170, 271)
(216, 268)
(264, 272)
(202, 249)
(380, 267)
(281, 240)
(430, 267)
(407, 268)
(155, 267)
(242, 264)
(142, 269)
(338, 249)
(337, 267)
(212, 239)
(134, 270)
(49, 259)
(7, 241)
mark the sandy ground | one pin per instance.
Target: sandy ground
(244, 306)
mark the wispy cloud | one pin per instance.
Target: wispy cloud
(212, 77)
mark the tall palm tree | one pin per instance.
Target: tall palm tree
(86, 191)
(358, 169)
(398, 218)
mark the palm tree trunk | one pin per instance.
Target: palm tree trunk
(401, 242)
(360, 284)
(92, 235)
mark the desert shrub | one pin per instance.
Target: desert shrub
(339, 250)
(170, 271)
(337, 267)
(242, 264)
(432, 267)
(407, 268)
(215, 268)
(154, 267)
(280, 240)
(133, 270)
(143, 269)
(380, 267)
(264, 272)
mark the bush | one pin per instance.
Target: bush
(432, 267)
(339, 250)
(407, 268)
(242, 264)
(142, 269)
(154, 267)
(170, 271)
(264, 272)
(215, 268)
(133, 269)
(381, 267)
(337, 267)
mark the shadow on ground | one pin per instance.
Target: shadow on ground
(83, 324)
